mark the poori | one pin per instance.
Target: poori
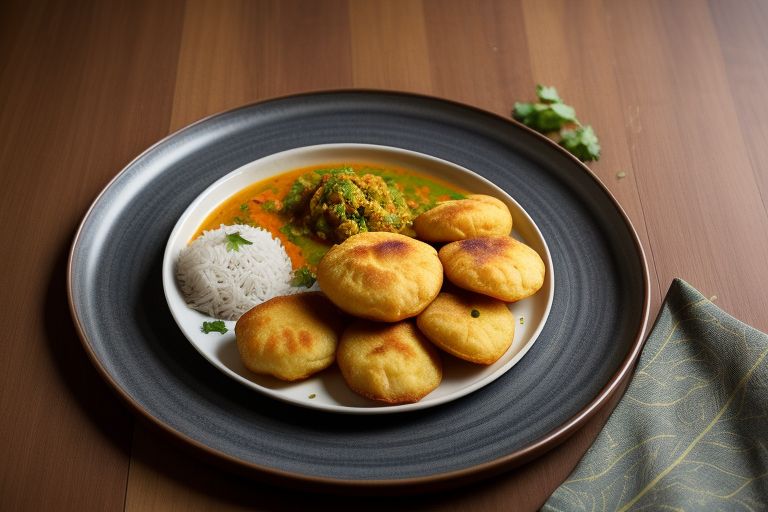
(290, 337)
(476, 216)
(499, 266)
(381, 276)
(470, 326)
(392, 363)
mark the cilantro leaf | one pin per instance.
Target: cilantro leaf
(582, 142)
(549, 120)
(215, 326)
(558, 121)
(544, 117)
(303, 277)
(244, 222)
(565, 112)
(547, 94)
(234, 241)
(523, 110)
(269, 206)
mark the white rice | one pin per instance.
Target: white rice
(225, 284)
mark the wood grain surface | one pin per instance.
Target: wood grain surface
(674, 89)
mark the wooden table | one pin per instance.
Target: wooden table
(675, 90)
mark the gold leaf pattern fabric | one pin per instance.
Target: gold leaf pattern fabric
(691, 432)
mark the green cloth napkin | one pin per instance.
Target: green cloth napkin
(691, 432)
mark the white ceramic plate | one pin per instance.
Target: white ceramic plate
(327, 390)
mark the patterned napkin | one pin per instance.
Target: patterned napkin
(691, 432)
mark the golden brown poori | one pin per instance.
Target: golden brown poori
(476, 216)
(392, 363)
(290, 337)
(473, 327)
(499, 266)
(381, 276)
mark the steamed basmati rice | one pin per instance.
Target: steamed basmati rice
(225, 284)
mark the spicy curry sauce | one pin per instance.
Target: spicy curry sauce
(259, 205)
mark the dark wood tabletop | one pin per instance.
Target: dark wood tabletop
(674, 89)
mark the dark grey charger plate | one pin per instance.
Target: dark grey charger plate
(593, 335)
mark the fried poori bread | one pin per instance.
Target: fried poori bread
(473, 327)
(392, 363)
(477, 215)
(499, 266)
(290, 337)
(381, 276)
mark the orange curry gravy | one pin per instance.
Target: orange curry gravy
(259, 205)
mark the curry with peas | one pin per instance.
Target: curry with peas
(311, 208)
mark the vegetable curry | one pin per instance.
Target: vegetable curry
(311, 208)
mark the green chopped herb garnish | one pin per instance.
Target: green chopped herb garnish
(244, 207)
(294, 233)
(312, 396)
(303, 277)
(475, 313)
(245, 222)
(234, 241)
(215, 326)
(554, 118)
(522, 320)
(269, 206)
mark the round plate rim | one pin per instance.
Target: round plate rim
(545, 443)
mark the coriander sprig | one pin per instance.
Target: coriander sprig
(215, 326)
(554, 118)
(303, 277)
(234, 241)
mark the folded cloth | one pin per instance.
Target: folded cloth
(691, 432)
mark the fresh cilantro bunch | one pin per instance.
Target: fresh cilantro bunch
(554, 118)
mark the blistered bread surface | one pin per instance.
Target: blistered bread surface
(500, 267)
(381, 276)
(476, 216)
(392, 363)
(470, 326)
(290, 337)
